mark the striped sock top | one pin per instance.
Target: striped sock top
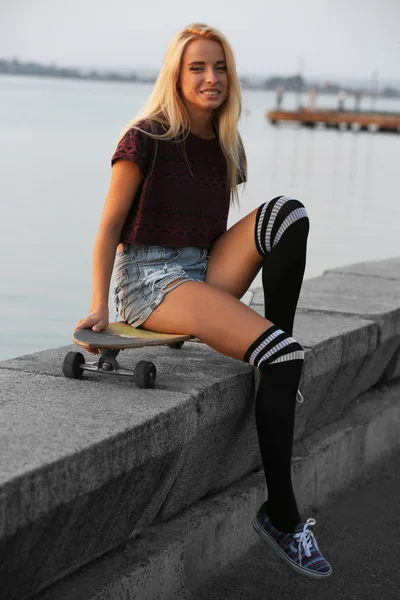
(273, 346)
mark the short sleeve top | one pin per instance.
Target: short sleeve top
(184, 197)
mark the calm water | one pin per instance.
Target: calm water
(56, 141)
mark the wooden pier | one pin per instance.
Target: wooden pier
(367, 121)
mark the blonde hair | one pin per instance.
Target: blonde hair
(165, 104)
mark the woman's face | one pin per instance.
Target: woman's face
(203, 79)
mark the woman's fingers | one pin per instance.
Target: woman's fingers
(100, 326)
(95, 322)
(86, 323)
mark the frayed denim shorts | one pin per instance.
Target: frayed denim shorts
(142, 274)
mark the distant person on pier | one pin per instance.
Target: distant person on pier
(175, 171)
(311, 97)
(340, 100)
(357, 100)
(279, 96)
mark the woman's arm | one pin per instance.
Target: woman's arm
(125, 180)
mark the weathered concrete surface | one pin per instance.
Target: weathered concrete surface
(80, 473)
(74, 440)
(387, 269)
(372, 297)
(87, 464)
(216, 391)
(392, 371)
(169, 561)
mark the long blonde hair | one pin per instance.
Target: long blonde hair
(165, 104)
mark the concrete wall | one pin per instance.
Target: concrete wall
(97, 465)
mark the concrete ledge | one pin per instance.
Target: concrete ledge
(171, 560)
(86, 465)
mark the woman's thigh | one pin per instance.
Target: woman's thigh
(234, 259)
(211, 314)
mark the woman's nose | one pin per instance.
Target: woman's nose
(211, 76)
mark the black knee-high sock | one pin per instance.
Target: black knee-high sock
(281, 232)
(280, 360)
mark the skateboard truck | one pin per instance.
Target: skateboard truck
(144, 374)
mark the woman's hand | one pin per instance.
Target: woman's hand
(97, 320)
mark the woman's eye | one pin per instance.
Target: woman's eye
(218, 68)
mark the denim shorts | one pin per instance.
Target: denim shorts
(142, 274)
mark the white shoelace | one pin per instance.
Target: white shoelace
(305, 539)
(300, 397)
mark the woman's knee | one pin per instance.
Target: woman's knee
(276, 217)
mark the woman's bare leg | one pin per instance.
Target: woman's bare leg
(234, 259)
(211, 314)
(208, 310)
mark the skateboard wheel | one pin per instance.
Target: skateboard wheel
(145, 374)
(71, 366)
(176, 345)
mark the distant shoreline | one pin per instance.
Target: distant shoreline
(294, 83)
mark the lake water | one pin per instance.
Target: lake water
(57, 137)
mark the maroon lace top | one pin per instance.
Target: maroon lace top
(184, 196)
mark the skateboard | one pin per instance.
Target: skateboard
(121, 336)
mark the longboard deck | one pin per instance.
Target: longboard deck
(120, 336)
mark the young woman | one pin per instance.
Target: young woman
(178, 269)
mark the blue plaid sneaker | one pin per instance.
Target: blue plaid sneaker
(299, 549)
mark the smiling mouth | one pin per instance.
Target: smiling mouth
(211, 94)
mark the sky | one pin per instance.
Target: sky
(319, 38)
